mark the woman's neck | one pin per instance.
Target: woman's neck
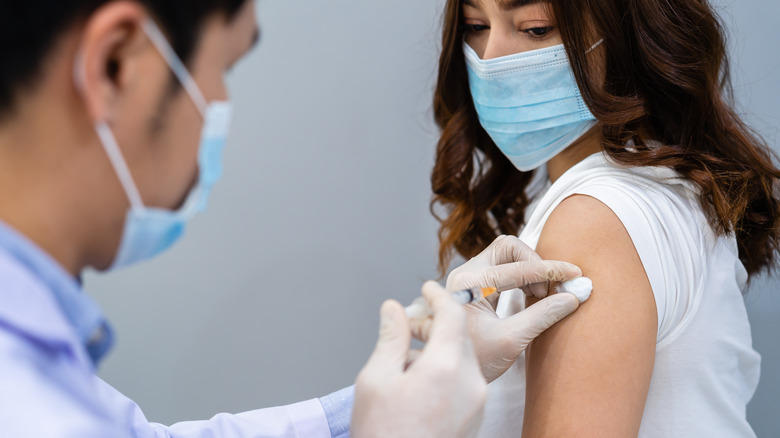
(585, 146)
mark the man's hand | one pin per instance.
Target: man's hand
(509, 263)
(441, 393)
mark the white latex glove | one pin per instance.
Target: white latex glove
(506, 264)
(439, 394)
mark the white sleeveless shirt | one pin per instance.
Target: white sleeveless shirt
(705, 369)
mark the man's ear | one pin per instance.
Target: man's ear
(109, 56)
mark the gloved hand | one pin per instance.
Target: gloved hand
(509, 263)
(439, 394)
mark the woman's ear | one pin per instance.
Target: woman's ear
(109, 56)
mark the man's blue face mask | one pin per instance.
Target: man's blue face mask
(528, 103)
(150, 231)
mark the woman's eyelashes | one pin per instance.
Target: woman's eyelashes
(474, 28)
(536, 33)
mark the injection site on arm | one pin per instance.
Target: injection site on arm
(610, 339)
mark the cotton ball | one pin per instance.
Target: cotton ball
(579, 287)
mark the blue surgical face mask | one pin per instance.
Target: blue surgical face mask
(149, 231)
(528, 103)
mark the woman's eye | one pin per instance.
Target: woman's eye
(472, 28)
(538, 32)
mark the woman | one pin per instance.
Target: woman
(645, 177)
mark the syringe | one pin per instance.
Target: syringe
(579, 287)
(419, 308)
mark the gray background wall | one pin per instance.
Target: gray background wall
(323, 213)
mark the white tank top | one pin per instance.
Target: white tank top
(705, 369)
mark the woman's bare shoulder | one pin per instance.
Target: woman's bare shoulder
(595, 365)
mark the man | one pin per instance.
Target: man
(113, 115)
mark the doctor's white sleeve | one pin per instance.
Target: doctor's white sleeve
(307, 419)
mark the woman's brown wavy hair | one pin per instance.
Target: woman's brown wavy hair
(665, 78)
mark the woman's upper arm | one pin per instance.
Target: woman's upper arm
(589, 375)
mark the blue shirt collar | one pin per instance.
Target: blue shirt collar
(79, 309)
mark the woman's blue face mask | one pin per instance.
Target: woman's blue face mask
(528, 103)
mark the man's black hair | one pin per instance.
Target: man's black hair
(29, 30)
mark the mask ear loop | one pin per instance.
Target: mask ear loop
(120, 166)
(109, 142)
(598, 43)
(177, 66)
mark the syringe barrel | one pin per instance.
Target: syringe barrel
(467, 296)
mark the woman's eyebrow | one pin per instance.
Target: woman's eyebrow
(514, 4)
(505, 4)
